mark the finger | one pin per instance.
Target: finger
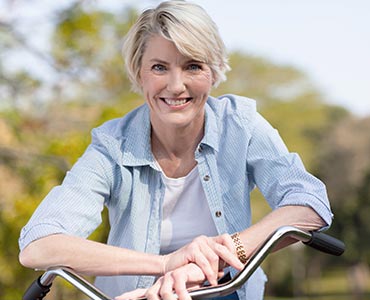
(190, 277)
(227, 241)
(206, 258)
(180, 285)
(221, 274)
(153, 292)
(135, 294)
(166, 291)
(229, 257)
(208, 263)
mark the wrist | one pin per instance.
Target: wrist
(239, 247)
(164, 261)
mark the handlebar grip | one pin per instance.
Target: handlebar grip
(36, 290)
(326, 243)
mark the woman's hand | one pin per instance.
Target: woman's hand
(189, 267)
(177, 282)
(210, 254)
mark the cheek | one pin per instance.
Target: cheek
(208, 78)
(150, 83)
(203, 82)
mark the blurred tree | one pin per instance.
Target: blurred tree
(264, 80)
(345, 167)
(86, 47)
(303, 123)
(17, 86)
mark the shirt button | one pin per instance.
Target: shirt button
(206, 178)
(218, 214)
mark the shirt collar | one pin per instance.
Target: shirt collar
(211, 129)
(136, 148)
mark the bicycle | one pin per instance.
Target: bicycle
(318, 240)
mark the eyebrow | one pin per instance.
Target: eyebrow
(161, 61)
(158, 60)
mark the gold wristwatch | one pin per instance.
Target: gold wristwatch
(239, 247)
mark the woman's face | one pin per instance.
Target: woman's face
(175, 87)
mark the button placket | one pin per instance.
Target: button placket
(205, 163)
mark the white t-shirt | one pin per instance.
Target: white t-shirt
(186, 213)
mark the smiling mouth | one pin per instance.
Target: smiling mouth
(176, 102)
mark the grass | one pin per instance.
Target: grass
(325, 297)
(334, 285)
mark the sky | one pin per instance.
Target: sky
(329, 40)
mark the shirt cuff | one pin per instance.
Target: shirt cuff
(28, 235)
(318, 205)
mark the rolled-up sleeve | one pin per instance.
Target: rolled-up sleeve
(75, 206)
(281, 175)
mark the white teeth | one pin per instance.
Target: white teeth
(174, 102)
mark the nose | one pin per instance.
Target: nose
(176, 82)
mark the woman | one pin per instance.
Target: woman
(175, 174)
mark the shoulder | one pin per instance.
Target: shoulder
(118, 128)
(231, 108)
(114, 136)
(233, 103)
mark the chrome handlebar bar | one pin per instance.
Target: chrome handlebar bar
(320, 241)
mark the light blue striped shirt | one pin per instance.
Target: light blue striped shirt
(239, 151)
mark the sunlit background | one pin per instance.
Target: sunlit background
(328, 40)
(305, 62)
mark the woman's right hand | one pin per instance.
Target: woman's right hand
(177, 282)
(210, 254)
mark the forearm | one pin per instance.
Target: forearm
(301, 217)
(89, 257)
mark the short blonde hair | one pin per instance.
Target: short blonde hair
(188, 26)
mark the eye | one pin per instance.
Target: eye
(158, 68)
(194, 67)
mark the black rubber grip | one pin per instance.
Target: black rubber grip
(36, 291)
(326, 243)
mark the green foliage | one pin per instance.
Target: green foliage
(86, 46)
(345, 167)
(263, 80)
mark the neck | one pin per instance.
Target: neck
(174, 149)
(175, 143)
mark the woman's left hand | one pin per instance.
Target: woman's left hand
(177, 282)
(210, 254)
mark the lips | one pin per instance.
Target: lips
(176, 101)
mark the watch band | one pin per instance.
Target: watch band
(239, 247)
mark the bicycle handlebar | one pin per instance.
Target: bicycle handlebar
(41, 286)
(319, 241)
(326, 243)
